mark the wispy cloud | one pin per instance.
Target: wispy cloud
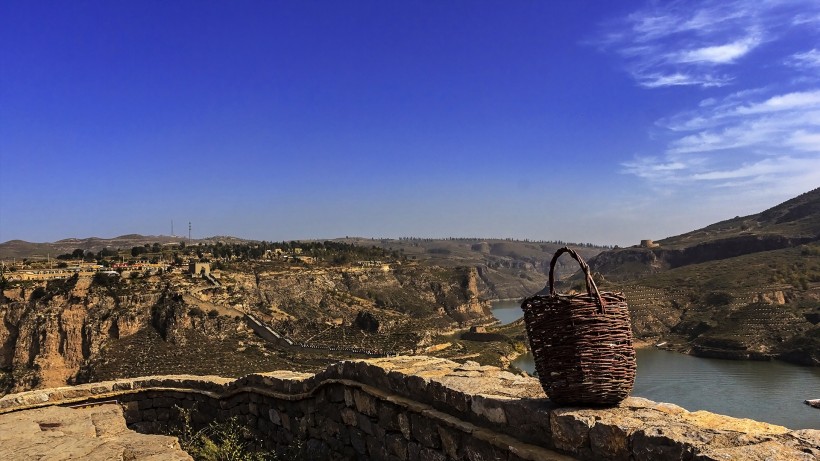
(719, 54)
(805, 60)
(758, 129)
(771, 142)
(697, 43)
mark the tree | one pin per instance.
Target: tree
(78, 253)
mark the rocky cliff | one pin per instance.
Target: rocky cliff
(81, 329)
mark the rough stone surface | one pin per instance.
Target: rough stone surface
(420, 408)
(93, 433)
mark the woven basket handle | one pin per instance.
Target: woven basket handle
(592, 289)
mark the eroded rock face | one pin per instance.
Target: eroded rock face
(96, 433)
(47, 339)
(57, 333)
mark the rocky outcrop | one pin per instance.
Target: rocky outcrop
(422, 408)
(65, 331)
(50, 335)
(96, 433)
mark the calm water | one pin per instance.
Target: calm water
(507, 311)
(764, 391)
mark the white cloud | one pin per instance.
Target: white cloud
(804, 140)
(805, 60)
(789, 101)
(680, 79)
(750, 138)
(764, 168)
(755, 134)
(719, 54)
(652, 168)
(685, 43)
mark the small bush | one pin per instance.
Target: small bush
(213, 313)
(718, 298)
(38, 293)
(225, 441)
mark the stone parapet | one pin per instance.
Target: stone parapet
(420, 408)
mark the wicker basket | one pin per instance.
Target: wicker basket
(581, 343)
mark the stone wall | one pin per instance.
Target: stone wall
(421, 408)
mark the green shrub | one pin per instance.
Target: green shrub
(226, 441)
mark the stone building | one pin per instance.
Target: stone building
(199, 268)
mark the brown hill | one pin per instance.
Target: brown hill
(792, 223)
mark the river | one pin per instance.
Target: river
(771, 391)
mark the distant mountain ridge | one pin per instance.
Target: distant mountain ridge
(789, 224)
(24, 249)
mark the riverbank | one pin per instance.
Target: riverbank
(509, 311)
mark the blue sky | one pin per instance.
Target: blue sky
(603, 122)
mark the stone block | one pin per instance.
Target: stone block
(349, 416)
(529, 421)
(379, 432)
(397, 383)
(149, 415)
(450, 442)
(413, 452)
(348, 393)
(357, 440)
(570, 431)
(376, 450)
(316, 449)
(425, 431)
(132, 412)
(122, 386)
(654, 443)
(404, 425)
(274, 417)
(396, 445)
(332, 429)
(364, 424)
(285, 421)
(388, 417)
(428, 454)
(610, 441)
(477, 450)
(458, 400)
(488, 409)
(146, 404)
(417, 388)
(163, 414)
(365, 403)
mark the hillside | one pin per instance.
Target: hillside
(41, 250)
(792, 223)
(507, 268)
(86, 328)
(745, 288)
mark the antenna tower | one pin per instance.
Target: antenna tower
(189, 231)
